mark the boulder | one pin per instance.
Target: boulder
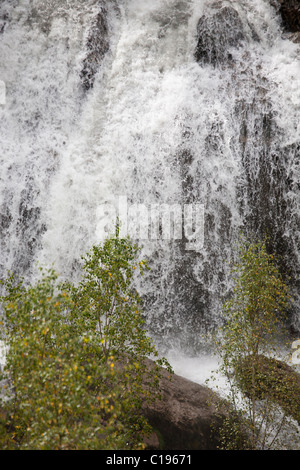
(187, 417)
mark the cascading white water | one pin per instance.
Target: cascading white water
(160, 125)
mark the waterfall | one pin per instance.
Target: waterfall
(168, 103)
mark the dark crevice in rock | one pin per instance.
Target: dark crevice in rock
(3, 21)
(97, 46)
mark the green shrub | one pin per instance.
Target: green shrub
(76, 374)
(253, 317)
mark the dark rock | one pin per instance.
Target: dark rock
(97, 46)
(290, 13)
(218, 32)
(3, 21)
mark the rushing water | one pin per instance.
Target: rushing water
(177, 112)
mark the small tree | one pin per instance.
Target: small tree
(252, 319)
(107, 306)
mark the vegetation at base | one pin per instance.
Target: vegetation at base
(76, 374)
(274, 380)
(253, 317)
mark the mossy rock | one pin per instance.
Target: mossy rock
(268, 378)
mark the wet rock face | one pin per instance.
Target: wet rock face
(290, 12)
(97, 46)
(218, 33)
